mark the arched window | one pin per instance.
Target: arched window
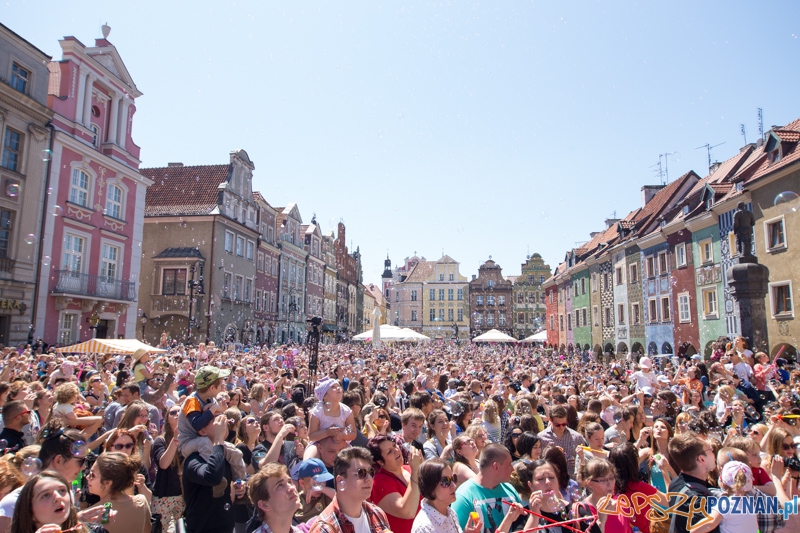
(666, 348)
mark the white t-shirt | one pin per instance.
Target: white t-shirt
(9, 502)
(644, 379)
(361, 524)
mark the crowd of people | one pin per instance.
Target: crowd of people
(408, 438)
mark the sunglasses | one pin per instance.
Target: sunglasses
(174, 413)
(789, 446)
(383, 417)
(251, 421)
(563, 425)
(120, 447)
(446, 481)
(515, 435)
(362, 473)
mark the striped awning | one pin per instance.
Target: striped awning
(112, 346)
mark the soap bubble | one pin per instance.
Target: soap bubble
(227, 506)
(47, 155)
(79, 449)
(259, 456)
(30, 238)
(57, 211)
(12, 190)
(3, 444)
(46, 260)
(788, 200)
(31, 466)
(673, 280)
(49, 190)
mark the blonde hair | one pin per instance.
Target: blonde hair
(65, 392)
(490, 411)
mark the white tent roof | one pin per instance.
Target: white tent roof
(113, 346)
(494, 335)
(391, 333)
(536, 337)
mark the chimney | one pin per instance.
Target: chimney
(714, 166)
(610, 222)
(174, 164)
(474, 277)
(648, 191)
(593, 234)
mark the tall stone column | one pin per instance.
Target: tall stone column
(748, 281)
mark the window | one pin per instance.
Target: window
(583, 315)
(606, 284)
(450, 294)
(66, 328)
(450, 315)
(634, 275)
(478, 300)
(173, 281)
(413, 296)
(490, 320)
(490, 300)
(109, 267)
(248, 289)
(432, 294)
(441, 277)
(501, 300)
(251, 246)
(684, 314)
(95, 135)
(680, 254)
(595, 316)
(12, 149)
(776, 234)
(226, 285)
(260, 264)
(237, 287)
(636, 319)
(490, 283)
(502, 320)
(258, 300)
(781, 296)
(73, 253)
(665, 310)
(706, 251)
(239, 246)
(114, 202)
(620, 281)
(552, 322)
(652, 310)
(520, 297)
(460, 294)
(583, 285)
(662, 263)
(20, 78)
(621, 313)
(521, 318)
(6, 225)
(607, 317)
(432, 314)
(451, 278)
(561, 322)
(441, 315)
(710, 302)
(651, 266)
(594, 282)
(441, 294)
(575, 289)
(79, 188)
(460, 315)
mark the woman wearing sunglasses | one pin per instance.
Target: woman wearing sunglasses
(437, 484)
(112, 478)
(123, 441)
(246, 441)
(167, 493)
(136, 419)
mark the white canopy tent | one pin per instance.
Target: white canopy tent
(536, 337)
(114, 346)
(389, 333)
(494, 335)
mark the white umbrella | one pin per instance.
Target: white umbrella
(388, 333)
(376, 327)
(536, 337)
(494, 335)
(414, 336)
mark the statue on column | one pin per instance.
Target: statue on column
(743, 222)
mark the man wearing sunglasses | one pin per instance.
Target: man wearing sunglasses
(15, 416)
(349, 512)
(559, 434)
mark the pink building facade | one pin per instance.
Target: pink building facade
(95, 200)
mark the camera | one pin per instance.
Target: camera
(793, 464)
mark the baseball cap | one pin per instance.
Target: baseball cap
(311, 468)
(208, 375)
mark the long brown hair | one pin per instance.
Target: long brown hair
(129, 417)
(169, 434)
(23, 520)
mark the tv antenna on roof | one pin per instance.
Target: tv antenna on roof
(708, 148)
(743, 131)
(675, 156)
(760, 123)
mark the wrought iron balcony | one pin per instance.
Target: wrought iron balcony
(7, 265)
(75, 283)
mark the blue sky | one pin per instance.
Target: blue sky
(474, 128)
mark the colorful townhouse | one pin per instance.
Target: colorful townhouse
(92, 236)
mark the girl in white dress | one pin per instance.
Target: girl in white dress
(329, 417)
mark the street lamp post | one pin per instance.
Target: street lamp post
(143, 321)
(195, 288)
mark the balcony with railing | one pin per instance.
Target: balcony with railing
(76, 284)
(6, 265)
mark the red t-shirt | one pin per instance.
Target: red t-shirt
(384, 484)
(760, 476)
(640, 520)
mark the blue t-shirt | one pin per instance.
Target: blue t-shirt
(487, 502)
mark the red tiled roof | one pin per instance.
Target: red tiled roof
(183, 190)
(787, 135)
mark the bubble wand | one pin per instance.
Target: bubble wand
(552, 522)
